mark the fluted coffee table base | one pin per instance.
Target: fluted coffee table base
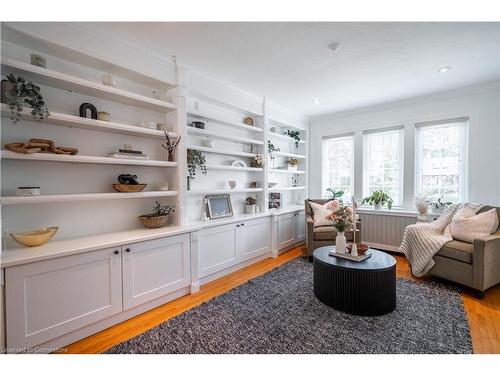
(365, 288)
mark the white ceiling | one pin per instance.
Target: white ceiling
(290, 63)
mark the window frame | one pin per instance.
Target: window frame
(364, 171)
(463, 162)
(324, 161)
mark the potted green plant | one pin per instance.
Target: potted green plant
(19, 92)
(438, 206)
(334, 194)
(159, 217)
(195, 159)
(250, 204)
(378, 199)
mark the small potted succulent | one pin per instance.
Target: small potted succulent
(378, 199)
(292, 164)
(438, 206)
(159, 217)
(250, 204)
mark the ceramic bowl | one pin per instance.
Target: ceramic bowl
(35, 237)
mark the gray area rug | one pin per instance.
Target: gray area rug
(278, 313)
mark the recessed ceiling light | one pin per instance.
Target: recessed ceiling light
(316, 101)
(334, 46)
(444, 69)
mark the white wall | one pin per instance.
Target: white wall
(480, 103)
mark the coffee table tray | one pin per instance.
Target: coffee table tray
(358, 258)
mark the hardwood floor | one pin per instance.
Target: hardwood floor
(484, 315)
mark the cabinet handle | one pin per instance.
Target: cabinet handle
(117, 252)
(242, 224)
(127, 249)
(238, 226)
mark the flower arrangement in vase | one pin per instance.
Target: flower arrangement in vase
(170, 146)
(258, 161)
(342, 218)
(292, 164)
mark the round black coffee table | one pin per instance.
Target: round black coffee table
(364, 288)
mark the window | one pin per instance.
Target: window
(338, 162)
(441, 155)
(383, 163)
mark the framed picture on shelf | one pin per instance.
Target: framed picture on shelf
(219, 206)
(274, 200)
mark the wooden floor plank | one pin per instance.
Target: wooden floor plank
(484, 315)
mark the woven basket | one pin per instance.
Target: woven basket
(153, 221)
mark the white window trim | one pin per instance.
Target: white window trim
(463, 160)
(400, 129)
(324, 156)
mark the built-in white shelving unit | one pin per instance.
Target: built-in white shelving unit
(5, 154)
(288, 155)
(225, 191)
(283, 137)
(223, 136)
(231, 124)
(84, 197)
(222, 151)
(65, 81)
(90, 124)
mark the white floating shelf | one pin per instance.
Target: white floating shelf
(287, 188)
(288, 155)
(223, 152)
(222, 136)
(231, 124)
(84, 197)
(224, 191)
(87, 123)
(65, 81)
(6, 154)
(283, 137)
(273, 122)
(231, 168)
(276, 170)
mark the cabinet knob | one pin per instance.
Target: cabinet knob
(116, 252)
(127, 249)
(238, 226)
(242, 224)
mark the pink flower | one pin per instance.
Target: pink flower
(333, 205)
(349, 210)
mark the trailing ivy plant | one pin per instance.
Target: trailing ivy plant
(295, 135)
(272, 148)
(25, 92)
(196, 159)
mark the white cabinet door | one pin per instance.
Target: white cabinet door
(48, 299)
(253, 238)
(300, 226)
(286, 230)
(216, 249)
(152, 269)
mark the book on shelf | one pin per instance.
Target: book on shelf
(125, 151)
(120, 155)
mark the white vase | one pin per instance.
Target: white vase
(377, 206)
(250, 208)
(340, 243)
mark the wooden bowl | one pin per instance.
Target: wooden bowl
(35, 237)
(123, 188)
(151, 221)
(362, 248)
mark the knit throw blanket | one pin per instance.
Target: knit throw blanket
(421, 241)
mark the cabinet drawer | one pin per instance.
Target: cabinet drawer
(45, 300)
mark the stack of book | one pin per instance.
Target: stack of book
(129, 154)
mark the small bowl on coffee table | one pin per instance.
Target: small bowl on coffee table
(362, 248)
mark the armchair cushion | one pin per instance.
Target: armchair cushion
(457, 250)
(466, 226)
(319, 214)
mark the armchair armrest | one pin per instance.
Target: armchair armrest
(486, 261)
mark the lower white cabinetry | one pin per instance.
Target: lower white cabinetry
(222, 247)
(45, 300)
(155, 268)
(52, 298)
(286, 230)
(300, 226)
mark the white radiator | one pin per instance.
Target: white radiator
(384, 231)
